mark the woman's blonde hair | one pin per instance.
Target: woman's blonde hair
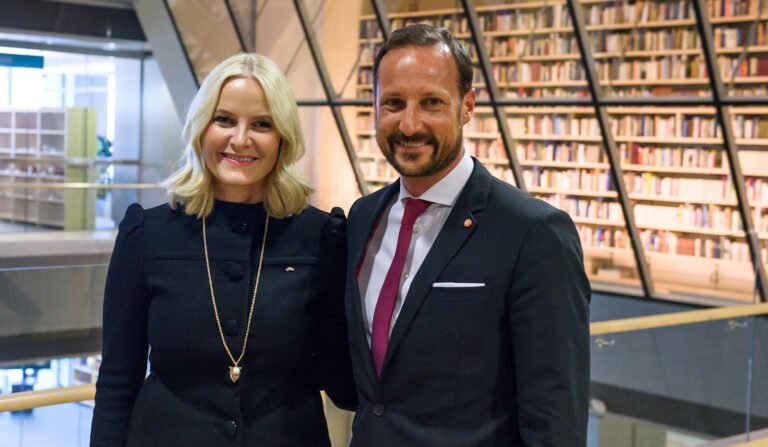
(285, 191)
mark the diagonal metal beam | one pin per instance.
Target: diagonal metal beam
(493, 92)
(723, 114)
(330, 94)
(612, 152)
(235, 26)
(381, 18)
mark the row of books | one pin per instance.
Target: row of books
(485, 149)
(681, 188)
(540, 45)
(702, 247)
(587, 208)
(676, 66)
(554, 16)
(563, 152)
(631, 153)
(731, 66)
(551, 71)
(598, 180)
(645, 40)
(686, 215)
(553, 125)
(669, 123)
(592, 236)
(678, 157)
(641, 12)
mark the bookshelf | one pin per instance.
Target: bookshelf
(676, 171)
(38, 147)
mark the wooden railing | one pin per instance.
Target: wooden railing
(33, 399)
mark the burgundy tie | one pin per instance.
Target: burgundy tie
(385, 306)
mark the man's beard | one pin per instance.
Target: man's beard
(441, 156)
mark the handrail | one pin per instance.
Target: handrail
(33, 399)
(42, 398)
(80, 185)
(675, 319)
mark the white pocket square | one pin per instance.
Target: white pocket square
(453, 285)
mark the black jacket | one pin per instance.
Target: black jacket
(157, 295)
(503, 364)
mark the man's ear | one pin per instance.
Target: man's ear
(468, 104)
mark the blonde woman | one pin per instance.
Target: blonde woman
(236, 285)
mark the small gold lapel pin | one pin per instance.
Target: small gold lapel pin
(467, 223)
(290, 269)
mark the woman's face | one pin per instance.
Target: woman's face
(240, 145)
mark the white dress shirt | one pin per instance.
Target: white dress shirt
(381, 246)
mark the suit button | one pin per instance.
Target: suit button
(231, 327)
(378, 410)
(229, 429)
(235, 271)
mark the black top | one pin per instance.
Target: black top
(157, 295)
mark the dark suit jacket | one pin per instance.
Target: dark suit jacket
(157, 294)
(502, 365)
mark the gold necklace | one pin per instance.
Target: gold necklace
(235, 370)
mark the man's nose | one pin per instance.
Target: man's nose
(410, 123)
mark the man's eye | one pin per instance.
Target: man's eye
(392, 102)
(433, 102)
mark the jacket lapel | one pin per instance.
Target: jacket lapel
(449, 241)
(367, 217)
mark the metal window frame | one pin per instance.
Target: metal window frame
(719, 101)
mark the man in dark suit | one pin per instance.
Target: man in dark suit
(467, 300)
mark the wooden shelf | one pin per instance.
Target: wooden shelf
(540, 60)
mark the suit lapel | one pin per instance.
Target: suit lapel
(367, 217)
(449, 241)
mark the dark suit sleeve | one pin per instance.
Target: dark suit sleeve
(549, 322)
(332, 348)
(124, 340)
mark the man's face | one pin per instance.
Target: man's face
(419, 111)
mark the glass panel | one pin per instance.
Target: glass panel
(677, 177)
(206, 31)
(246, 15)
(326, 164)
(740, 34)
(532, 49)
(750, 128)
(280, 37)
(680, 385)
(349, 36)
(758, 404)
(648, 48)
(563, 160)
(66, 425)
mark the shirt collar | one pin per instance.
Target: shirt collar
(447, 190)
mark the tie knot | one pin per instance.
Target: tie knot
(413, 209)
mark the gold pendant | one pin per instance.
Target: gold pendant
(234, 373)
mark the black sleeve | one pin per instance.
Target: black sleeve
(124, 340)
(549, 323)
(332, 348)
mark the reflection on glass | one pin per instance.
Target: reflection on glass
(750, 128)
(561, 153)
(532, 49)
(677, 176)
(207, 32)
(280, 37)
(680, 383)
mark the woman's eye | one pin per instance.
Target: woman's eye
(221, 119)
(263, 124)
